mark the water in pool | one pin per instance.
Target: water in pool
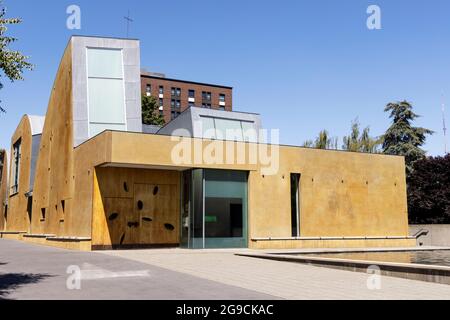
(438, 257)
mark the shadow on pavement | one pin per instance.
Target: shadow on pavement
(11, 281)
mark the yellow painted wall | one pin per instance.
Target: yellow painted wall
(18, 217)
(54, 182)
(342, 193)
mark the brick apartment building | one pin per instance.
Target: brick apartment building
(177, 95)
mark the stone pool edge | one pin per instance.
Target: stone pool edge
(420, 272)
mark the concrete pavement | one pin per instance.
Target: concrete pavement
(283, 279)
(36, 272)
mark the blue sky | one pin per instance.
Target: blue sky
(303, 65)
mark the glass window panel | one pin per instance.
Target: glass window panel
(96, 128)
(228, 129)
(105, 63)
(225, 208)
(208, 128)
(106, 101)
(249, 132)
(230, 184)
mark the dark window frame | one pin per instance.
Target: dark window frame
(17, 155)
(295, 180)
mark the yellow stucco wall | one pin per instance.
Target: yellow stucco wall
(342, 193)
(54, 181)
(18, 217)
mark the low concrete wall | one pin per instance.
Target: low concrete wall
(438, 234)
(429, 273)
(331, 243)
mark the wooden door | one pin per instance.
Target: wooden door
(121, 220)
(157, 209)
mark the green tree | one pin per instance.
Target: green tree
(323, 141)
(150, 111)
(402, 138)
(359, 141)
(12, 63)
(429, 192)
(308, 144)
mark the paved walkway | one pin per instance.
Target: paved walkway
(37, 272)
(283, 279)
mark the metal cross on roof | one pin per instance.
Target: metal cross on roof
(129, 20)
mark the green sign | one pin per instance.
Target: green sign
(210, 219)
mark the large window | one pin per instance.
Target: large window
(175, 103)
(15, 170)
(206, 95)
(105, 90)
(174, 114)
(175, 92)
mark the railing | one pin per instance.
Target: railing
(421, 233)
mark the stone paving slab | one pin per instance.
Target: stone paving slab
(283, 279)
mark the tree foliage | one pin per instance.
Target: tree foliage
(359, 141)
(323, 141)
(429, 191)
(150, 111)
(402, 138)
(12, 63)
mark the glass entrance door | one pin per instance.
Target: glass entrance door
(225, 217)
(217, 216)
